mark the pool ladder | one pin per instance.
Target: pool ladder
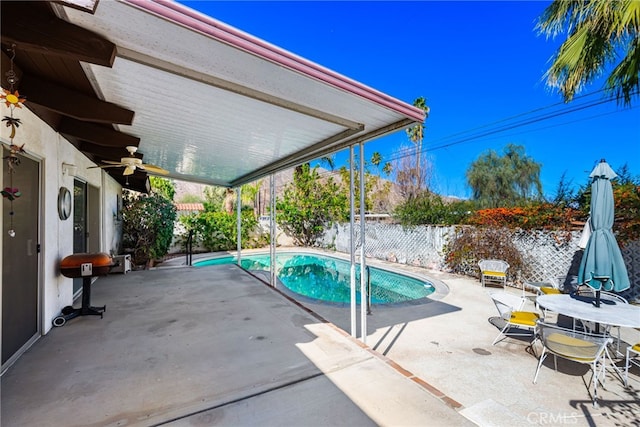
(368, 272)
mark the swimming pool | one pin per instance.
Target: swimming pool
(326, 278)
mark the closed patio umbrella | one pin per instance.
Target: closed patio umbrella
(602, 265)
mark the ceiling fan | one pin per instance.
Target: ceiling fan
(131, 163)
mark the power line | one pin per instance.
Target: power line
(535, 110)
(521, 123)
(527, 122)
(458, 138)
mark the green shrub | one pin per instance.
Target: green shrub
(308, 204)
(429, 208)
(147, 226)
(217, 231)
(470, 245)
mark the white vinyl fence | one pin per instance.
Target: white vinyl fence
(547, 253)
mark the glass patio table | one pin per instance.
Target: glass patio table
(583, 307)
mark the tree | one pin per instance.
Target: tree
(370, 182)
(190, 198)
(416, 135)
(498, 181)
(308, 204)
(429, 208)
(379, 189)
(147, 225)
(412, 173)
(250, 196)
(229, 200)
(214, 198)
(376, 159)
(598, 31)
(163, 186)
(330, 161)
(565, 196)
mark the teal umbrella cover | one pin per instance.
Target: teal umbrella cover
(602, 266)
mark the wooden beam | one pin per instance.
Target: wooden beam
(96, 134)
(71, 103)
(139, 181)
(32, 27)
(83, 5)
(106, 153)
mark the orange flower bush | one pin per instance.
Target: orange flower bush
(627, 211)
(535, 217)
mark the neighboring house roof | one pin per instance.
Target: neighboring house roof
(193, 207)
(203, 100)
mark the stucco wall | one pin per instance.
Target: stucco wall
(43, 144)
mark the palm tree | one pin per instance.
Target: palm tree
(330, 161)
(598, 31)
(376, 159)
(387, 168)
(250, 195)
(416, 133)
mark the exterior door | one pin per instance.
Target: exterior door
(79, 225)
(20, 258)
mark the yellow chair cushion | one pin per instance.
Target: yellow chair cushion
(636, 347)
(571, 347)
(494, 273)
(549, 291)
(527, 318)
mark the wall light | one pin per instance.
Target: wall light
(69, 169)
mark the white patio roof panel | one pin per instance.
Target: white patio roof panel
(215, 105)
(200, 132)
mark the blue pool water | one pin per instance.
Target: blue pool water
(328, 279)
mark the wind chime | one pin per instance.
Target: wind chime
(12, 100)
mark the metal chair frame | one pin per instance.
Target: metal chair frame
(493, 271)
(629, 361)
(581, 347)
(510, 309)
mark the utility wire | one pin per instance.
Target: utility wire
(459, 138)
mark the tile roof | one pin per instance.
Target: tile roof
(189, 206)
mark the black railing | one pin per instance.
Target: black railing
(189, 247)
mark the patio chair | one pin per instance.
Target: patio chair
(551, 286)
(510, 308)
(632, 351)
(581, 347)
(493, 271)
(605, 296)
(548, 287)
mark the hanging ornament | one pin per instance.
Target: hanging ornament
(12, 100)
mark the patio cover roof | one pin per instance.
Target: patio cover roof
(216, 105)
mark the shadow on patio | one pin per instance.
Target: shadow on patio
(207, 346)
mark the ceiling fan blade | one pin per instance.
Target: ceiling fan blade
(154, 169)
(128, 170)
(110, 162)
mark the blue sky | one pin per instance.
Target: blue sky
(480, 66)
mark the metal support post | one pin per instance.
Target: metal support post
(363, 267)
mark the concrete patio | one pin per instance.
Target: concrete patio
(216, 346)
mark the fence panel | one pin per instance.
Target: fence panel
(548, 253)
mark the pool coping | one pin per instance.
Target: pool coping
(440, 288)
